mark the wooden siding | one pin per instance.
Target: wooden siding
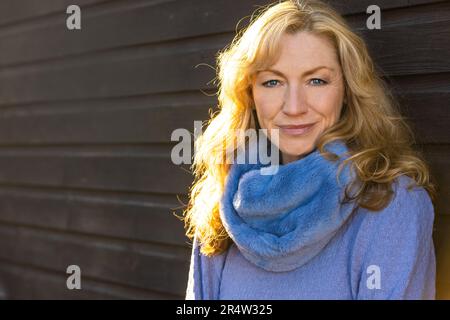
(86, 118)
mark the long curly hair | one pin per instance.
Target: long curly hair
(378, 137)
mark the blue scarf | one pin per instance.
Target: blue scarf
(281, 221)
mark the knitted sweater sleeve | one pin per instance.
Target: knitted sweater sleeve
(394, 254)
(204, 275)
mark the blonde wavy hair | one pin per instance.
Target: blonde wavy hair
(378, 137)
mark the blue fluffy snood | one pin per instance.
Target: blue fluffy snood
(279, 222)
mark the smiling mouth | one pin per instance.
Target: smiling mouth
(297, 129)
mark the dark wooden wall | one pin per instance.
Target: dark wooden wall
(86, 118)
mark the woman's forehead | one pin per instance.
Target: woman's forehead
(303, 49)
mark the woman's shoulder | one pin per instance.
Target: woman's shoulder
(410, 209)
(410, 199)
(397, 240)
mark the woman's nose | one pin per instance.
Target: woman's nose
(295, 102)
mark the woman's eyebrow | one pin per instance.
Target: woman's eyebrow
(304, 73)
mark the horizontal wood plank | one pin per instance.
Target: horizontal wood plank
(26, 282)
(18, 11)
(137, 169)
(357, 6)
(428, 113)
(137, 264)
(147, 119)
(132, 217)
(145, 70)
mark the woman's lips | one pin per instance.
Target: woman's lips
(296, 129)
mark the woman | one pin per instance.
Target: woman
(348, 214)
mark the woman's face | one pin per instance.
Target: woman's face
(305, 86)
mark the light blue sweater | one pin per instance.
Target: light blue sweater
(387, 254)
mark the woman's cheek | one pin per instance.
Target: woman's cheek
(267, 104)
(328, 104)
(264, 114)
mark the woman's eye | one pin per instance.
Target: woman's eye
(317, 82)
(270, 83)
